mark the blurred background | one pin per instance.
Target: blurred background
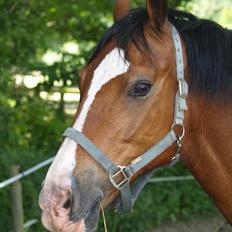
(43, 46)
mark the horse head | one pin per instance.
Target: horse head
(128, 91)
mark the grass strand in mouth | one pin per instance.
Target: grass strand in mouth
(103, 216)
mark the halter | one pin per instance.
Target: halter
(120, 176)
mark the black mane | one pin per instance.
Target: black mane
(208, 45)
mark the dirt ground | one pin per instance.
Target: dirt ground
(215, 224)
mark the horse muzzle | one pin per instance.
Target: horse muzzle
(67, 210)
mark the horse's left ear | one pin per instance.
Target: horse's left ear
(157, 12)
(121, 9)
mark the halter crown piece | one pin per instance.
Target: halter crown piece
(116, 172)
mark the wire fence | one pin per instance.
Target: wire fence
(171, 179)
(49, 161)
(26, 173)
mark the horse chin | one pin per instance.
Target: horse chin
(90, 221)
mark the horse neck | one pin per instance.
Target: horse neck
(207, 149)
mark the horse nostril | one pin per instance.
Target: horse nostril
(57, 214)
(67, 204)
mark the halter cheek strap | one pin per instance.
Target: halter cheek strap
(117, 172)
(120, 176)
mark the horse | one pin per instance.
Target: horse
(156, 89)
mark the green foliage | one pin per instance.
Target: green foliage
(29, 134)
(218, 10)
(30, 128)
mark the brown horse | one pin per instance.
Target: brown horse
(128, 92)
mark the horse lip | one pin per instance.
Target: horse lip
(85, 215)
(95, 206)
(91, 219)
(86, 198)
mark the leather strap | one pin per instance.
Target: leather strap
(130, 170)
(82, 140)
(181, 104)
(106, 164)
(140, 162)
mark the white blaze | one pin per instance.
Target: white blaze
(113, 65)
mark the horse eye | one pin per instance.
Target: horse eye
(140, 89)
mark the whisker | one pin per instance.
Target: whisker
(103, 216)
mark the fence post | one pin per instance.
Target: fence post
(16, 201)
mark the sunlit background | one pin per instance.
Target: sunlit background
(217, 10)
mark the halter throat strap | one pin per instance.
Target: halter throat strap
(127, 172)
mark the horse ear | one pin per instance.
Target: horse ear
(121, 9)
(157, 12)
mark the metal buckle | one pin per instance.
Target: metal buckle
(180, 136)
(175, 159)
(124, 175)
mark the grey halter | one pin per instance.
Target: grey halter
(127, 172)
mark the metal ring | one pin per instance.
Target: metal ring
(181, 135)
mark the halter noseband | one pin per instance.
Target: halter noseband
(116, 172)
